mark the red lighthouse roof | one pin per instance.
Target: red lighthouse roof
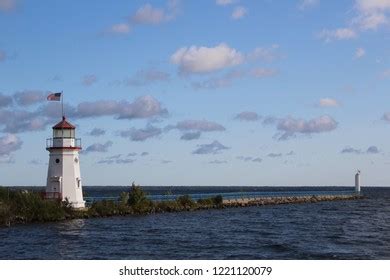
(64, 124)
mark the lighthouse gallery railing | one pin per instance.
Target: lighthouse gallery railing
(50, 143)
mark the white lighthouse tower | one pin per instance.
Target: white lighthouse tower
(357, 182)
(63, 176)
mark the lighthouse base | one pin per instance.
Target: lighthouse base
(79, 204)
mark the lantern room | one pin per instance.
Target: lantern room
(64, 129)
(64, 136)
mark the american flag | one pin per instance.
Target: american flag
(54, 96)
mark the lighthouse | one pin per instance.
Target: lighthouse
(357, 182)
(63, 175)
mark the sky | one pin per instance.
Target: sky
(213, 92)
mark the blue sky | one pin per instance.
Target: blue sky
(217, 92)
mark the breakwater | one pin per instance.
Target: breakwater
(22, 206)
(260, 201)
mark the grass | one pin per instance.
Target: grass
(21, 206)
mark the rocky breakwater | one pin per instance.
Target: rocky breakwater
(259, 201)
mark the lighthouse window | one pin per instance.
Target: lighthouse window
(63, 133)
(67, 133)
(57, 133)
(57, 160)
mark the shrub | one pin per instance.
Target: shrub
(138, 200)
(205, 201)
(167, 206)
(185, 201)
(218, 200)
(124, 198)
(5, 214)
(103, 208)
(4, 194)
(136, 195)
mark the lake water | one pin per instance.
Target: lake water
(357, 229)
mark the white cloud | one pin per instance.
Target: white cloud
(386, 74)
(120, 28)
(146, 77)
(372, 150)
(200, 60)
(372, 5)
(143, 107)
(368, 21)
(263, 72)
(199, 125)
(386, 117)
(371, 14)
(7, 159)
(20, 120)
(337, 34)
(267, 54)
(89, 80)
(212, 148)
(192, 129)
(247, 116)
(190, 135)
(226, 79)
(239, 12)
(97, 147)
(250, 159)
(216, 161)
(116, 159)
(219, 82)
(360, 52)
(9, 143)
(290, 126)
(142, 134)
(350, 150)
(5, 100)
(30, 97)
(97, 132)
(366, 15)
(306, 4)
(3, 55)
(225, 2)
(328, 102)
(8, 5)
(14, 121)
(274, 155)
(148, 14)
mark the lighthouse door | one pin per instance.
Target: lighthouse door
(55, 191)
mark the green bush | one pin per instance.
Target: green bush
(103, 208)
(167, 206)
(124, 198)
(138, 200)
(185, 201)
(218, 200)
(4, 194)
(136, 195)
(205, 201)
(28, 206)
(5, 213)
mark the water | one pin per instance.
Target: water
(357, 229)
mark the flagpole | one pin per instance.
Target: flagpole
(62, 103)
